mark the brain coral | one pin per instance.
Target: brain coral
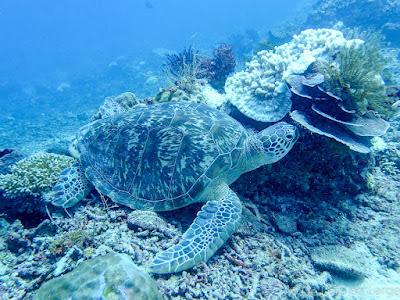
(260, 91)
(34, 175)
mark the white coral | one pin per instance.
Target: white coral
(260, 91)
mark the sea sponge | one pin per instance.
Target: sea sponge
(34, 175)
(260, 91)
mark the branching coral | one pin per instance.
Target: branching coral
(184, 69)
(218, 68)
(34, 175)
(178, 62)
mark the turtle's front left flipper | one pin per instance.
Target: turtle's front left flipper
(214, 224)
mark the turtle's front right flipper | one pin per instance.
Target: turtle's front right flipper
(214, 224)
(71, 187)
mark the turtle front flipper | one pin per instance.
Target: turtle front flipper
(214, 224)
(71, 187)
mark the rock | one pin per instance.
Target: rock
(284, 223)
(340, 260)
(9, 157)
(110, 276)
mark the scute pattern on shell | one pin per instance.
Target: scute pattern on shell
(159, 157)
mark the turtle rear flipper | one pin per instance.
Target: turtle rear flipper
(214, 224)
(71, 187)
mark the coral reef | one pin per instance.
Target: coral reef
(340, 94)
(256, 263)
(34, 175)
(184, 70)
(324, 113)
(260, 92)
(111, 276)
(355, 74)
(305, 218)
(218, 68)
(387, 157)
(383, 15)
(347, 100)
(188, 70)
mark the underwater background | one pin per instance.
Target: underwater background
(77, 53)
(321, 223)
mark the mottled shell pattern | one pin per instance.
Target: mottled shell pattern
(162, 156)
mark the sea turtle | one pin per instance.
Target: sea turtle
(165, 156)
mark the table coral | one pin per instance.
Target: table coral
(324, 113)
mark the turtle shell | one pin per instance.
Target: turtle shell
(162, 156)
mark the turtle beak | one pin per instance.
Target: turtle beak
(293, 136)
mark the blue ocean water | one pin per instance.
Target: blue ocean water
(70, 55)
(45, 43)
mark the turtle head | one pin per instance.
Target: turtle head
(277, 140)
(271, 144)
